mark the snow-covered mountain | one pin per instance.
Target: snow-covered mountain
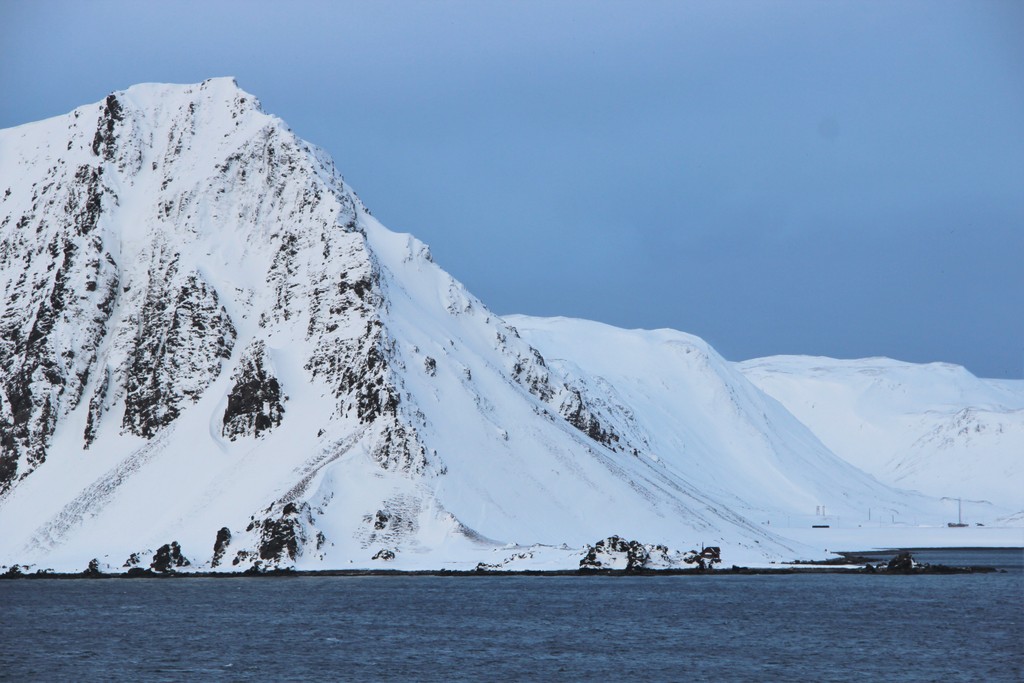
(931, 427)
(209, 349)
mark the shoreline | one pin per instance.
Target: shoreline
(282, 573)
(848, 562)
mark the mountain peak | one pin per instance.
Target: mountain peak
(221, 90)
(206, 341)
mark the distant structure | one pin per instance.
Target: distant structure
(959, 515)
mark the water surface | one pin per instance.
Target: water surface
(735, 627)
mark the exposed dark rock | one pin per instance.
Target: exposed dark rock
(503, 565)
(359, 370)
(41, 378)
(96, 406)
(384, 554)
(904, 562)
(282, 272)
(279, 539)
(220, 545)
(283, 537)
(105, 139)
(182, 338)
(167, 557)
(133, 560)
(707, 558)
(93, 569)
(85, 200)
(576, 413)
(255, 402)
(532, 372)
(399, 448)
(637, 555)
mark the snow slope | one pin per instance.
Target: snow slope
(211, 350)
(931, 427)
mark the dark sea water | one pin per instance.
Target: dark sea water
(661, 628)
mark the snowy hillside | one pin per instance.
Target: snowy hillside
(935, 428)
(213, 357)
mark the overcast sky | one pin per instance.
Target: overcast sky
(827, 178)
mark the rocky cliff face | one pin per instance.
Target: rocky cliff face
(169, 234)
(206, 339)
(112, 248)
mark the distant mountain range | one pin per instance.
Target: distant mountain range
(212, 357)
(935, 428)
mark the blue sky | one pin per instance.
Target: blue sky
(828, 178)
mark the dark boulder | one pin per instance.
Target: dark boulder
(282, 537)
(637, 554)
(220, 545)
(904, 562)
(168, 557)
